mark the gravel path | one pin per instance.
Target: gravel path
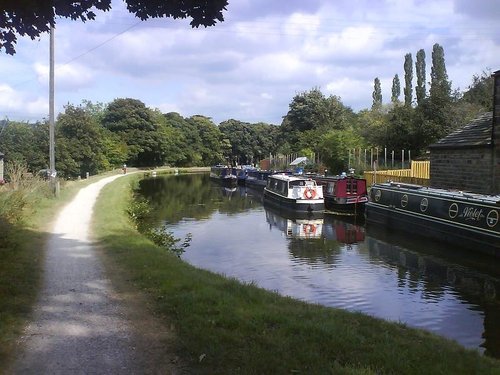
(81, 325)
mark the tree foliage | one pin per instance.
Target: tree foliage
(310, 115)
(420, 71)
(396, 89)
(408, 90)
(32, 18)
(377, 94)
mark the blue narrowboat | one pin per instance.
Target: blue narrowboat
(257, 179)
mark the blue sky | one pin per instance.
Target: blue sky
(250, 66)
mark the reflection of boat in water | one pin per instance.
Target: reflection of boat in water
(301, 226)
(343, 230)
(476, 276)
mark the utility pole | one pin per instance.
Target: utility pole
(52, 161)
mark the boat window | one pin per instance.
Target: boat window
(352, 186)
(297, 183)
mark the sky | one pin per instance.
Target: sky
(250, 66)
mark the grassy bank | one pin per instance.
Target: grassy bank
(225, 327)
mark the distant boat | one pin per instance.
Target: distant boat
(224, 175)
(257, 179)
(242, 173)
(344, 195)
(294, 193)
(464, 219)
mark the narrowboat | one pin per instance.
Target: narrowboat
(224, 175)
(463, 219)
(294, 225)
(257, 179)
(344, 195)
(242, 173)
(294, 193)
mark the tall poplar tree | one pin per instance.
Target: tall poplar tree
(377, 94)
(408, 91)
(440, 85)
(420, 71)
(396, 89)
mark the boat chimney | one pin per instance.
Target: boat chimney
(496, 131)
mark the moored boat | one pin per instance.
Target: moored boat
(257, 179)
(344, 195)
(294, 193)
(224, 175)
(465, 219)
(242, 173)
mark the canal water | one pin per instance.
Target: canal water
(333, 261)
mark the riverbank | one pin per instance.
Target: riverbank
(223, 326)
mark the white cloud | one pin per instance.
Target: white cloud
(251, 66)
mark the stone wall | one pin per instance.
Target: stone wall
(496, 132)
(462, 169)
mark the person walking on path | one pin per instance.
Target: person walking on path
(80, 324)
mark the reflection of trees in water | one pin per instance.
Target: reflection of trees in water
(314, 251)
(423, 266)
(195, 196)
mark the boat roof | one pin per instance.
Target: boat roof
(288, 177)
(457, 194)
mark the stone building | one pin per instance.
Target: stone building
(469, 158)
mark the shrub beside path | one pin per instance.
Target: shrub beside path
(81, 324)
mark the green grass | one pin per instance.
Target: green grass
(225, 327)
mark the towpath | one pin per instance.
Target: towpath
(81, 324)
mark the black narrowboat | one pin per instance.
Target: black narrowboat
(224, 175)
(344, 195)
(464, 219)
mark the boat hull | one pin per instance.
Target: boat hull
(463, 220)
(291, 204)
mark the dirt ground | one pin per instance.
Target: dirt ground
(83, 323)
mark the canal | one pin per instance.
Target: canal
(333, 261)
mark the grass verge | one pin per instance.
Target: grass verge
(225, 327)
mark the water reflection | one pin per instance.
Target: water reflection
(333, 261)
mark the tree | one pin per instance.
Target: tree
(440, 86)
(211, 140)
(420, 71)
(396, 89)
(480, 92)
(80, 146)
(32, 18)
(377, 94)
(134, 123)
(311, 111)
(408, 91)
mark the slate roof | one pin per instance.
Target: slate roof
(477, 133)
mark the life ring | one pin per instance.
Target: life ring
(309, 193)
(309, 228)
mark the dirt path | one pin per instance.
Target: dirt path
(81, 324)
